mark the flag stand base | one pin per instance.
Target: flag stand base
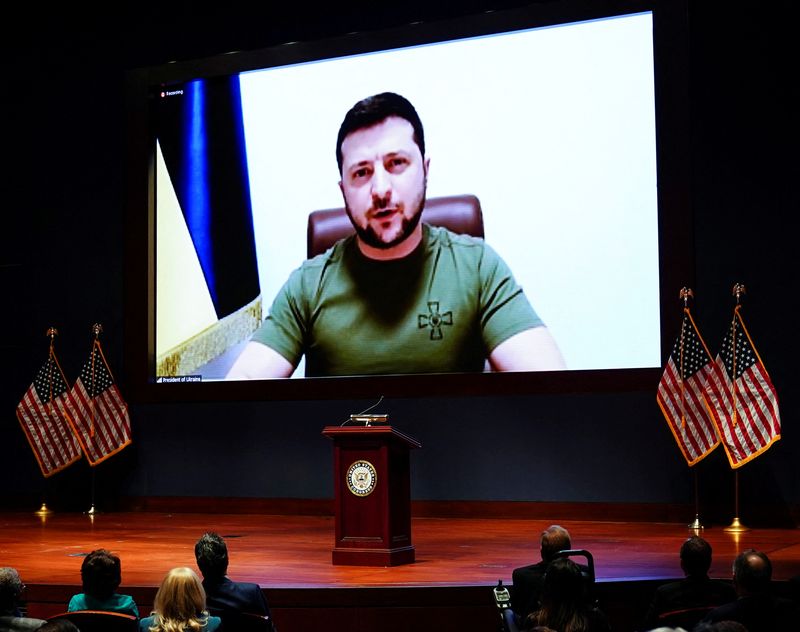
(43, 511)
(736, 527)
(696, 525)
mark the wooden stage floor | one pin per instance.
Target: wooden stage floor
(458, 560)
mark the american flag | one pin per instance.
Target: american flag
(100, 415)
(682, 393)
(747, 405)
(43, 416)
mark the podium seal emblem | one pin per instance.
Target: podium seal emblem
(361, 478)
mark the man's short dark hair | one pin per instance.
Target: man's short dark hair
(695, 556)
(554, 539)
(211, 554)
(101, 574)
(374, 110)
(752, 571)
(10, 590)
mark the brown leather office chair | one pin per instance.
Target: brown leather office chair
(459, 213)
(100, 621)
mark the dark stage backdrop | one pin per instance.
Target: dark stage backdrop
(62, 263)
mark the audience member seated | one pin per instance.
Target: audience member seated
(527, 581)
(225, 597)
(755, 607)
(695, 591)
(101, 574)
(565, 604)
(180, 605)
(11, 619)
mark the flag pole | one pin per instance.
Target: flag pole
(44, 510)
(696, 525)
(92, 509)
(97, 329)
(686, 293)
(735, 526)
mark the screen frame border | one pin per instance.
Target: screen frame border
(675, 238)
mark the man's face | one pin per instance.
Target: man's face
(383, 182)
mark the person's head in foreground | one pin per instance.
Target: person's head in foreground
(752, 573)
(101, 574)
(180, 603)
(211, 554)
(11, 588)
(695, 557)
(554, 539)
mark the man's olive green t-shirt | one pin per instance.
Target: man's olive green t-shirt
(441, 309)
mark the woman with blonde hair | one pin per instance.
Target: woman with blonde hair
(180, 605)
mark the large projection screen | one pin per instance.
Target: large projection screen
(552, 128)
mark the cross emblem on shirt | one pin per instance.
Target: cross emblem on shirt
(434, 320)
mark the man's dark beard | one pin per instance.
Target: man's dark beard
(407, 226)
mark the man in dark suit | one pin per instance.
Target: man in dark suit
(695, 590)
(225, 598)
(755, 607)
(528, 581)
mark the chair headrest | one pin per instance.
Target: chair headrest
(460, 213)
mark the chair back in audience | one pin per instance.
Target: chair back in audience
(587, 562)
(686, 618)
(100, 621)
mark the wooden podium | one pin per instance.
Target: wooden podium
(372, 481)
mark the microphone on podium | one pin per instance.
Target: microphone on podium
(365, 419)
